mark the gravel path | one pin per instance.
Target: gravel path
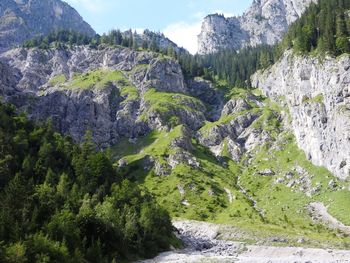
(202, 245)
(320, 213)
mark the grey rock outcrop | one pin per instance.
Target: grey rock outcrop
(265, 22)
(21, 20)
(209, 95)
(233, 129)
(318, 98)
(234, 106)
(27, 82)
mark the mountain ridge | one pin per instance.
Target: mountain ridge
(22, 20)
(265, 22)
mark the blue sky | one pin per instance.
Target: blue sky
(180, 20)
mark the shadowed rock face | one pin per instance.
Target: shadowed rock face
(318, 98)
(264, 23)
(21, 20)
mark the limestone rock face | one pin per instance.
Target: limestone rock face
(21, 20)
(318, 97)
(208, 94)
(264, 23)
(110, 112)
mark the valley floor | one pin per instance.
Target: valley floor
(203, 244)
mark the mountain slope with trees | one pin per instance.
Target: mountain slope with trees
(181, 133)
(61, 202)
(325, 27)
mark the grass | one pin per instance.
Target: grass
(59, 79)
(168, 105)
(339, 204)
(317, 99)
(203, 193)
(98, 79)
(285, 213)
(204, 187)
(156, 143)
(285, 208)
(235, 93)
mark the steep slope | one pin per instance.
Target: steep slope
(203, 156)
(245, 170)
(265, 22)
(317, 95)
(114, 92)
(21, 20)
(57, 196)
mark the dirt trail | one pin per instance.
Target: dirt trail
(320, 213)
(202, 245)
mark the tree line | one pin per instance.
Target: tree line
(64, 202)
(323, 28)
(61, 38)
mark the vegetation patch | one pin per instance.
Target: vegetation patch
(60, 79)
(63, 202)
(98, 78)
(167, 105)
(317, 99)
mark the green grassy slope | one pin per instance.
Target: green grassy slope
(203, 193)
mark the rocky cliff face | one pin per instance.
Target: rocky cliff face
(318, 97)
(21, 20)
(264, 23)
(183, 142)
(114, 92)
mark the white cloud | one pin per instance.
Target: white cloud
(184, 34)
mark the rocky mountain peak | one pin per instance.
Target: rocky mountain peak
(21, 20)
(265, 22)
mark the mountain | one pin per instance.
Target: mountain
(265, 22)
(271, 162)
(111, 91)
(318, 99)
(204, 152)
(21, 20)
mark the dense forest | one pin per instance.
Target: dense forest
(324, 27)
(64, 38)
(62, 202)
(236, 67)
